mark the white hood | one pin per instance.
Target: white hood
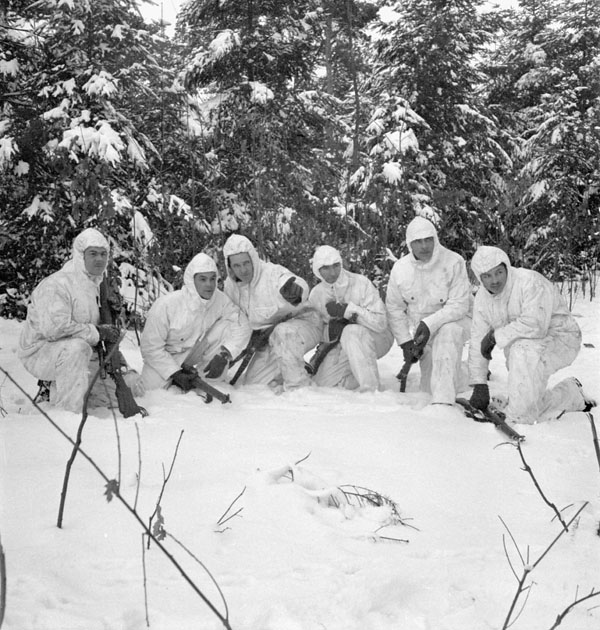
(486, 258)
(324, 256)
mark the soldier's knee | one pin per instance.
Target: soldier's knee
(75, 352)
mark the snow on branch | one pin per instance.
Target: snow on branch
(223, 43)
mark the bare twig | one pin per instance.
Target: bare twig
(223, 520)
(126, 505)
(2, 584)
(210, 575)
(529, 567)
(145, 580)
(569, 608)
(527, 469)
(119, 455)
(77, 443)
(595, 437)
(560, 534)
(303, 459)
(164, 485)
(139, 473)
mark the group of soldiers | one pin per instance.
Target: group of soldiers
(429, 309)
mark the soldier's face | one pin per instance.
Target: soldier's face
(241, 265)
(205, 284)
(95, 260)
(422, 248)
(330, 273)
(494, 280)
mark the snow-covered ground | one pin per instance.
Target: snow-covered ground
(292, 558)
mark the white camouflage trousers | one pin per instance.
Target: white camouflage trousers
(353, 362)
(70, 363)
(283, 359)
(442, 370)
(530, 364)
(206, 350)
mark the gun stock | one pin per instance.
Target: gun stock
(109, 359)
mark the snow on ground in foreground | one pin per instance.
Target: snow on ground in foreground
(292, 559)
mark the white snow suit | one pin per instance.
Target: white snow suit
(353, 362)
(177, 320)
(532, 324)
(438, 293)
(59, 334)
(282, 361)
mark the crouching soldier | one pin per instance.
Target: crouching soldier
(523, 314)
(284, 326)
(355, 332)
(428, 302)
(198, 312)
(62, 327)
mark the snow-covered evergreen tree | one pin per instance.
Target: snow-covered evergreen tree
(427, 64)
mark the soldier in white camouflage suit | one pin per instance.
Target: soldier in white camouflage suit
(270, 294)
(523, 314)
(352, 311)
(428, 303)
(62, 326)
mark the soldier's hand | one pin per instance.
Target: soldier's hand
(108, 333)
(185, 379)
(259, 338)
(487, 345)
(408, 351)
(292, 292)
(217, 364)
(480, 398)
(336, 309)
(421, 338)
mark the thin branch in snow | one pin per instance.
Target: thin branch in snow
(164, 485)
(513, 540)
(77, 443)
(223, 520)
(125, 504)
(2, 584)
(210, 575)
(528, 568)
(570, 607)
(527, 469)
(145, 580)
(139, 472)
(595, 437)
(303, 459)
(119, 454)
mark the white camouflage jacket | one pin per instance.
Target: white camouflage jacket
(178, 319)
(356, 290)
(260, 299)
(529, 307)
(435, 292)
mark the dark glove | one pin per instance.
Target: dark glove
(421, 338)
(480, 398)
(108, 333)
(292, 292)
(185, 379)
(487, 345)
(336, 309)
(408, 351)
(260, 338)
(217, 364)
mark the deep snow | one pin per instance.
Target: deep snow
(292, 559)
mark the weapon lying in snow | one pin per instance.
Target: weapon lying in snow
(492, 415)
